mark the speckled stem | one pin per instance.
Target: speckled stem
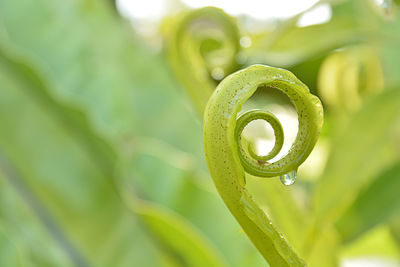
(228, 162)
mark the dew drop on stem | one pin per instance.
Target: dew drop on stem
(288, 178)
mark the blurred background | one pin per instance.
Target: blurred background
(101, 154)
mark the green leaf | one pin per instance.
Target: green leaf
(10, 254)
(291, 45)
(377, 204)
(351, 22)
(24, 222)
(360, 151)
(325, 249)
(50, 151)
(97, 64)
(377, 242)
(172, 231)
(395, 231)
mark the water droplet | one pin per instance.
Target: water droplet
(289, 178)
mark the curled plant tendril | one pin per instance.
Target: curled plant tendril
(251, 160)
(349, 75)
(202, 50)
(229, 162)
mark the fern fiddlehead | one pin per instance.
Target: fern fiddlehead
(229, 162)
(348, 76)
(202, 50)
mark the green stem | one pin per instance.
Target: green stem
(228, 162)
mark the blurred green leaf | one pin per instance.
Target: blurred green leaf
(360, 151)
(172, 231)
(325, 249)
(96, 63)
(378, 203)
(378, 242)
(54, 156)
(291, 45)
(395, 231)
(23, 225)
(10, 254)
(62, 123)
(351, 22)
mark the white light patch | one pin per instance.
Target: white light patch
(318, 15)
(314, 165)
(147, 9)
(268, 9)
(264, 146)
(370, 262)
(218, 73)
(245, 41)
